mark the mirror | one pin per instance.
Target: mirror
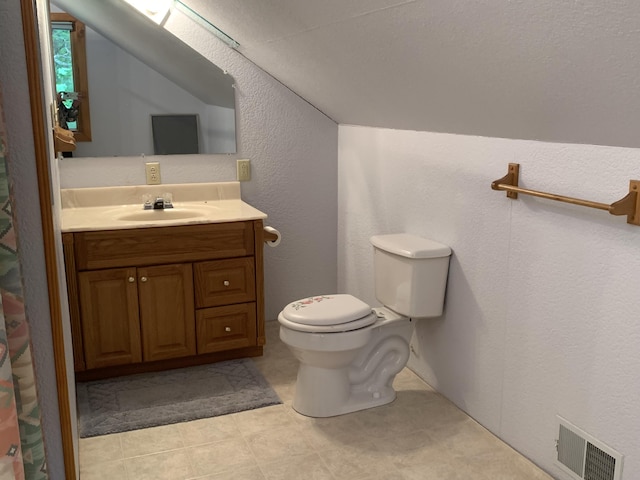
(125, 94)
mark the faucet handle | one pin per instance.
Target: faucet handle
(168, 200)
(147, 204)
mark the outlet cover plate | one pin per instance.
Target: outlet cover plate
(152, 170)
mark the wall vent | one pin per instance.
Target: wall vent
(585, 458)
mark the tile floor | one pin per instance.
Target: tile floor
(420, 436)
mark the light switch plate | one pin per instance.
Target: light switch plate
(244, 170)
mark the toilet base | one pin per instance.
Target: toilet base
(322, 392)
(362, 383)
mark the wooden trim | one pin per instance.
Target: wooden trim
(74, 306)
(40, 142)
(258, 229)
(162, 365)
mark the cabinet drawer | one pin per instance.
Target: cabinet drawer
(153, 246)
(226, 328)
(224, 282)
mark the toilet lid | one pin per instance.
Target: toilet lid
(340, 327)
(325, 310)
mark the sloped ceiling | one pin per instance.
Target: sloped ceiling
(561, 71)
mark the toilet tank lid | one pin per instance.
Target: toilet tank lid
(326, 310)
(411, 246)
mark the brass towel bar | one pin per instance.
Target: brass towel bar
(629, 205)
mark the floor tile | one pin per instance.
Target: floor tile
(504, 463)
(466, 438)
(278, 443)
(242, 473)
(104, 471)
(407, 380)
(96, 450)
(254, 421)
(220, 457)
(309, 467)
(419, 436)
(361, 460)
(208, 430)
(170, 465)
(151, 440)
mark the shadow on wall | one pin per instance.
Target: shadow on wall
(462, 319)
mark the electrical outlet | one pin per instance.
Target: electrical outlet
(243, 170)
(153, 173)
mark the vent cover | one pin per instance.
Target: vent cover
(584, 457)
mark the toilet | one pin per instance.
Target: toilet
(349, 353)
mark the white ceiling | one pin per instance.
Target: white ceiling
(553, 70)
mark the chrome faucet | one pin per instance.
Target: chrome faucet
(160, 203)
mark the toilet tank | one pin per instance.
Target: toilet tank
(410, 274)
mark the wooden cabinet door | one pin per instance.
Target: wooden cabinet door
(167, 314)
(110, 323)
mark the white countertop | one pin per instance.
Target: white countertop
(115, 208)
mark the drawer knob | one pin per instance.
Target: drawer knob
(131, 279)
(227, 329)
(143, 279)
(226, 283)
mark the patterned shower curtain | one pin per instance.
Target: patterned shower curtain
(22, 454)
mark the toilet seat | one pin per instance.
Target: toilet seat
(327, 313)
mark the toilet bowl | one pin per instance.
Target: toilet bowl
(350, 353)
(347, 366)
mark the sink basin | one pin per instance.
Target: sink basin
(160, 215)
(118, 208)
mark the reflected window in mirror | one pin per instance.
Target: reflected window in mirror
(70, 64)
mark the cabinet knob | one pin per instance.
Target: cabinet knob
(226, 283)
(227, 329)
(131, 279)
(143, 279)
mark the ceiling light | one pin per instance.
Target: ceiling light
(156, 10)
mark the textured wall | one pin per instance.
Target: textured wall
(293, 152)
(558, 71)
(541, 310)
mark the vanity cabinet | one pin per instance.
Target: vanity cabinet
(116, 305)
(162, 297)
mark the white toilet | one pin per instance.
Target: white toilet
(350, 353)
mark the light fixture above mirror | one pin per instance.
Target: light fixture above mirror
(156, 10)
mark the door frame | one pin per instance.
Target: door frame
(42, 157)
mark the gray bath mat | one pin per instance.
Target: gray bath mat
(161, 398)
